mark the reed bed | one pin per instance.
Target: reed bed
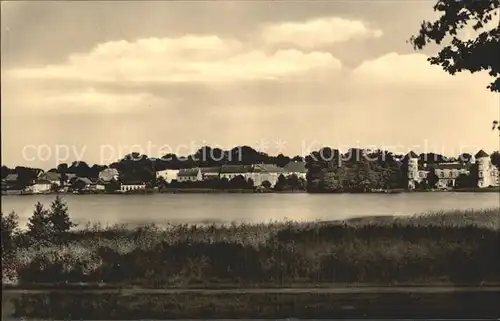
(457, 247)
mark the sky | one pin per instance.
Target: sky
(94, 81)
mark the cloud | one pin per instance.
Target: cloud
(91, 100)
(29, 98)
(318, 32)
(397, 68)
(411, 70)
(186, 59)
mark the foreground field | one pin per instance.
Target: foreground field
(120, 306)
(459, 247)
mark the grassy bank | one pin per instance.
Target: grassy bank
(62, 306)
(455, 247)
(495, 189)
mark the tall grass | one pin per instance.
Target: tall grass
(458, 247)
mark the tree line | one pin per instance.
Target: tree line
(328, 169)
(239, 182)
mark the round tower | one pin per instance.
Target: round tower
(412, 169)
(483, 162)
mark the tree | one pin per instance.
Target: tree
(223, 183)
(495, 159)
(282, 160)
(302, 184)
(422, 186)
(161, 182)
(112, 186)
(280, 183)
(474, 55)
(59, 217)
(10, 230)
(432, 178)
(329, 181)
(479, 54)
(39, 225)
(466, 181)
(80, 169)
(238, 182)
(250, 183)
(293, 182)
(465, 158)
(266, 184)
(5, 171)
(26, 176)
(54, 187)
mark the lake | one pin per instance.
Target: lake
(224, 208)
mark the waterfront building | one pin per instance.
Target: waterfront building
(10, 181)
(168, 174)
(447, 173)
(488, 174)
(109, 174)
(210, 172)
(81, 184)
(52, 177)
(41, 186)
(189, 175)
(231, 171)
(296, 168)
(129, 186)
(260, 173)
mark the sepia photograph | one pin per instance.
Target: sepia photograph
(250, 159)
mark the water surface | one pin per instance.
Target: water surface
(224, 208)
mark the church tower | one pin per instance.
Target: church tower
(483, 162)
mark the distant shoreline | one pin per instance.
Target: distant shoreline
(248, 191)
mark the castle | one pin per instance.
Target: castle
(488, 174)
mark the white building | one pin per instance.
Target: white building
(447, 173)
(231, 171)
(81, 184)
(132, 186)
(41, 186)
(189, 175)
(52, 177)
(265, 172)
(488, 174)
(168, 175)
(98, 186)
(210, 172)
(108, 175)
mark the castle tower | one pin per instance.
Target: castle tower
(483, 162)
(412, 169)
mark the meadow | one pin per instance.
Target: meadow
(117, 306)
(458, 247)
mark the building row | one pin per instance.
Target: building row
(448, 173)
(258, 173)
(52, 181)
(47, 182)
